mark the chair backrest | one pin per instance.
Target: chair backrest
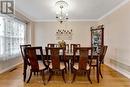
(67, 47)
(102, 52)
(52, 45)
(47, 50)
(31, 53)
(72, 46)
(22, 47)
(55, 55)
(83, 56)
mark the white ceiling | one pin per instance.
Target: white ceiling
(43, 10)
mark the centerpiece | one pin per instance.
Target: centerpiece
(62, 43)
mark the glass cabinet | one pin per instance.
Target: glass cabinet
(97, 38)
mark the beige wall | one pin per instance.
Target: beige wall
(30, 33)
(45, 32)
(117, 37)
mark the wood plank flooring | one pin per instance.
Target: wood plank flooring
(111, 78)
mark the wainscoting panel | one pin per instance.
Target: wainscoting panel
(119, 64)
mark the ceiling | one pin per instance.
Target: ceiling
(44, 10)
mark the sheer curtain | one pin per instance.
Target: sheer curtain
(12, 34)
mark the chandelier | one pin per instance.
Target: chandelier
(62, 11)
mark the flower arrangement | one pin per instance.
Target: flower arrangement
(62, 43)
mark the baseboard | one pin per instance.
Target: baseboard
(119, 70)
(9, 68)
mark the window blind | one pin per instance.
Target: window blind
(12, 34)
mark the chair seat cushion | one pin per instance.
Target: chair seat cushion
(62, 66)
(41, 65)
(76, 66)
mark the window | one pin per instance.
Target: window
(12, 34)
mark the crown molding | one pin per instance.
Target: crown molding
(113, 10)
(24, 14)
(83, 20)
(43, 20)
(68, 20)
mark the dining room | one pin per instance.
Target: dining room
(64, 43)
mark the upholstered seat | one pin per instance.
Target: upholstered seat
(62, 66)
(41, 65)
(76, 66)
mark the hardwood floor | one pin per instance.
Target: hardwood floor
(111, 79)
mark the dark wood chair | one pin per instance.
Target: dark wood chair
(97, 62)
(36, 66)
(25, 60)
(83, 65)
(67, 47)
(72, 47)
(67, 51)
(52, 45)
(56, 65)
